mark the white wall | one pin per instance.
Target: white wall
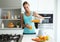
(41, 6)
(58, 21)
(46, 6)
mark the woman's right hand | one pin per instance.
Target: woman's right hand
(28, 26)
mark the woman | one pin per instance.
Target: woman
(27, 17)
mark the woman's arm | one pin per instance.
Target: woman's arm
(22, 21)
(37, 15)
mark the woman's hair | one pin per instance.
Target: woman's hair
(25, 2)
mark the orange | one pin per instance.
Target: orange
(47, 38)
(41, 38)
(44, 38)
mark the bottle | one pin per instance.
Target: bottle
(12, 17)
(9, 15)
(15, 16)
(17, 26)
(2, 25)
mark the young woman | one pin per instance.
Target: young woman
(29, 27)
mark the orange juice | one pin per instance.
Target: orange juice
(36, 21)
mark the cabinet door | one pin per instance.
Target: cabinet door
(33, 5)
(10, 4)
(45, 6)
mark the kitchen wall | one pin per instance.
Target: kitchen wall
(58, 20)
(45, 6)
(41, 6)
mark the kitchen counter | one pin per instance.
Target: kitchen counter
(49, 32)
(28, 37)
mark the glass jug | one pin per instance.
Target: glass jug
(37, 20)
